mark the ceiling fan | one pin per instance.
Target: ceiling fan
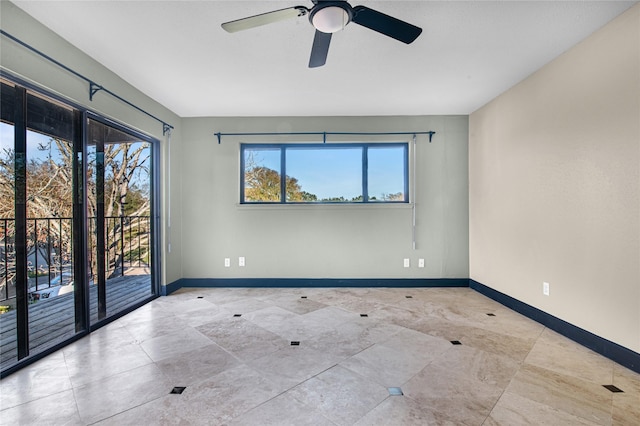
(328, 17)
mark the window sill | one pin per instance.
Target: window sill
(323, 206)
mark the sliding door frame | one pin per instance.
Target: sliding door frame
(80, 222)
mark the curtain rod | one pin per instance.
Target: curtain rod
(93, 86)
(323, 134)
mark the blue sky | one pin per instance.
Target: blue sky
(33, 140)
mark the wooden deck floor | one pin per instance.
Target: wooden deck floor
(52, 320)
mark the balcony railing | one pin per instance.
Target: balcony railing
(49, 252)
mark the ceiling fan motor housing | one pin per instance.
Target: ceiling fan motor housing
(330, 16)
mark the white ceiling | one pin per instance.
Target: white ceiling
(177, 53)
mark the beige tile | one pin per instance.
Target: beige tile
(44, 378)
(198, 317)
(170, 345)
(243, 338)
(269, 318)
(352, 300)
(245, 305)
(194, 366)
(626, 409)
(513, 409)
(464, 362)
(463, 394)
(352, 337)
(223, 397)
(497, 343)
(391, 364)
(283, 410)
(104, 353)
(399, 411)
(557, 353)
(56, 409)
(397, 316)
(240, 371)
(566, 393)
(145, 329)
(300, 328)
(104, 398)
(293, 365)
(163, 411)
(340, 395)
(181, 306)
(331, 316)
(627, 380)
(294, 303)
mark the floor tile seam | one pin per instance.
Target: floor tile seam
(373, 408)
(504, 390)
(564, 374)
(5, 408)
(595, 387)
(346, 368)
(524, 360)
(152, 362)
(123, 411)
(558, 409)
(281, 394)
(471, 379)
(365, 377)
(75, 400)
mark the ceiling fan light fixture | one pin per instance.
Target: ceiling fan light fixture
(330, 19)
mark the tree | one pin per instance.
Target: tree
(398, 196)
(49, 195)
(263, 184)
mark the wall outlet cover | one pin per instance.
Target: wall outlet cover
(227, 262)
(241, 261)
(545, 288)
(420, 263)
(407, 263)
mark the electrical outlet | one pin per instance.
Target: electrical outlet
(241, 261)
(407, 263)
(227, 262)
(545, 288)
(420, 263)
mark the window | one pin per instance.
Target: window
(324, 173)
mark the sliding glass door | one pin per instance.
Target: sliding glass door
(76, 209)
(119, 211)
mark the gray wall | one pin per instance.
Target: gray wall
(31, 67)
(554, 186)
(324, 241)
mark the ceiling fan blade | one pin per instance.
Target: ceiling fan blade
(385, 24)
(264, 19)
(320, 49)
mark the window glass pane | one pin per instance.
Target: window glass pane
(119, 212)
(8, 325)
(323, 174)
(262, 175)
(386, 173)
(50, 260)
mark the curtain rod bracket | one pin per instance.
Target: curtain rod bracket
(93, 89)
(166, 129)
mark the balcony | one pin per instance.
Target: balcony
(51, 312)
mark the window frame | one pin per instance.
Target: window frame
(364, 146)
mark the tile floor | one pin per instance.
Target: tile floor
(230, 349)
